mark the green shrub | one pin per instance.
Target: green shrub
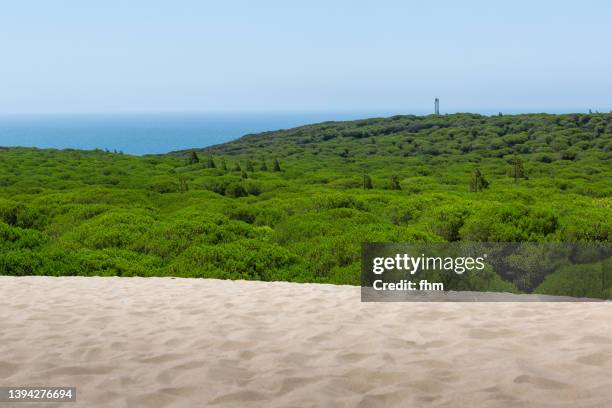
(164, 184)
(584, 280)
(243, 259)
(235, 190)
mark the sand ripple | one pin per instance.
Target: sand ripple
(134, 342)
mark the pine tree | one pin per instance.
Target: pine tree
(395, 183)
(223, 164)
(237, 167)
(367, 182)
(244, 174)
(249, 166)
(264, 166)
(478, 182)
(211, 163)
(277, 166)
(193, 157)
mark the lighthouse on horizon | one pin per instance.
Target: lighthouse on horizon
(437, 106)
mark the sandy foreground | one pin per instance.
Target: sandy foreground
(160, 342)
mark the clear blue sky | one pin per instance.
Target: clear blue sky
(183, 55)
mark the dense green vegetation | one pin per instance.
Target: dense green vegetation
(296, 204)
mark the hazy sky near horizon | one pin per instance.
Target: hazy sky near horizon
(189, 55)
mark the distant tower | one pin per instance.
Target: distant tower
(437, 106)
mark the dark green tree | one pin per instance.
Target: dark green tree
(193, 157)
(367, 182)
(211, 163)
(277, 166)
(237, 167)
(478, 181)
(395, 182)
(244, 174)
(264, 166)
(223, 164)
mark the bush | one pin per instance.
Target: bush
(586, 280)
(18, 214)
(235, 190)
(447, 221)
(243, 259)
(113, 229)
(164, 184)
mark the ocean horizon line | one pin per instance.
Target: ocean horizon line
(366, 111)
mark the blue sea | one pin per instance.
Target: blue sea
(152, 133)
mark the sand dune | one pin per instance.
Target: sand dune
(134, 342)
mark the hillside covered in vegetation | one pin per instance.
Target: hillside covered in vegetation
(296, 204)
